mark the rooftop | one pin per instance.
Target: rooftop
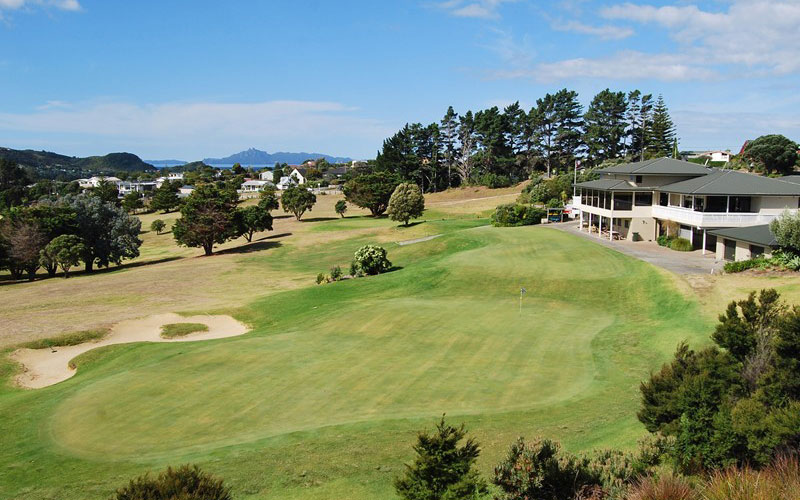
(658, 166)
(733, 182)
(760, 235)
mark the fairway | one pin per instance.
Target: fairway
(335, 379)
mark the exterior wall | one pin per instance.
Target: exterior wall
(774, 205)
(645, 226)
(651, 180)
(742, 250)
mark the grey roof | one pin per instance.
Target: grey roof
(658, 166)
(732, 182)
(760, 235)
(612, 185)
(790, 178)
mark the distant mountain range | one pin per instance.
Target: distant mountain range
(257, 157)
(49, 165)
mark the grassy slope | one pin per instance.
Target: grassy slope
(323, 398)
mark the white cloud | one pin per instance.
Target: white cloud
(605, 32)
(199, 128)
(628, 65)
(58, 4)
(758, 36)
(480, 9)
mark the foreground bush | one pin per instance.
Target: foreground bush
(515, 214)
(442, 469)
(681, 245)
(184, 483)
(370, 259)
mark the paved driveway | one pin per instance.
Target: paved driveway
(677, 262)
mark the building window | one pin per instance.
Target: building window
(674, 200)
(717, 204)
(644, 199)
(663, 199)
(740, 204)
(623, 201)
(627, 223)
(688, 200)
(638, 179)
(699, 204)
(756, 251)
(607, 201)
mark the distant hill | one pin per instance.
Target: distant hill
(45, 164)
(257, 157)
(166, 163)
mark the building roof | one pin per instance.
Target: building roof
(612, 185)
(658, 166)
(759, 235)
(790, 178)
(732, 182)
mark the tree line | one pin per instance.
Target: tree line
(496, 147)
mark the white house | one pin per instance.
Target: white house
(171, 177)
(266, 175)
(634, 201)
(299, 175)
(722, 156)
(185, 191)
(92, 182)
(254, 186)
(136, 187)
(286, 182)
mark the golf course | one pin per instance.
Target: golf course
(323, 396)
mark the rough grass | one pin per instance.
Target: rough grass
(173, 330)
(67, 339)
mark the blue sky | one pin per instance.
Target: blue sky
(189, 79)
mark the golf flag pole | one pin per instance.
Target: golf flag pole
(522, 291)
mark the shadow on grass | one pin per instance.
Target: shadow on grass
(319, 219)
(255, 246)
(274, 236)
(412, 224)
(286, 216)
(6, 280)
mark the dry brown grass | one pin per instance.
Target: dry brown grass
(781, 481)
(665, 487)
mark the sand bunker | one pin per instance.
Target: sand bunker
(44, 367)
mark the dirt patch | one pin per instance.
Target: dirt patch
(45, 367)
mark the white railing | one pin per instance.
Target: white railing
(705, 219)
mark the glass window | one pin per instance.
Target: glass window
(607, 201)
(674, 200)
(699, 204)
(716, 204)
(740, 204)
(687, 201)
(644, 199)
(638, 179)
(755, 251)
(663, 199)
(623, 201)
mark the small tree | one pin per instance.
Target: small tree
(183, 483)
(158, 225)
(371, 191)
(341, 207)
(26, 240)
(132, 202)
(166, 197)
(786, 229)
(297, 200)
(774, 153)
(208, 217)
(106, 191)
(406, 203)
(269, 199)
(442, 468)
(254, 219)
(370, 259)
(64, 251)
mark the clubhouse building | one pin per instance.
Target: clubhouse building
(707, 206)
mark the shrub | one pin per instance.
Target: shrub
(786, 229)
(406, 203)
(541, 470)
(743, 265)
(336, 273)
(663, 240)
(494, 181)
(321, 278)
(515, 214)
(371, 259)
(666, 487)
(183, 483)
(681, 245)
(157, 225)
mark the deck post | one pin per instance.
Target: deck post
(704, 241)
(610, 228)
(580, 224)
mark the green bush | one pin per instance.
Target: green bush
(494, 181)
(183, 483)
(681, 245)
(515, 214)
(664, 240)
(743, 265)
(371, 259)
(321, 278)
(336, 273)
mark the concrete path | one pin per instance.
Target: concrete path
(417, 240)
(684, 263)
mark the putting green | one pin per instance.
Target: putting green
(353, 362)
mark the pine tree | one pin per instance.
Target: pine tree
(662, 130)
(448, 131)
(605, 126)
(442, 468)
(639, 117)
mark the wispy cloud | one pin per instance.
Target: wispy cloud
(605, 32)
(179, 127)
(58, 4)
(480, 9)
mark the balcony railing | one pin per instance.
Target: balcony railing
(708, 219)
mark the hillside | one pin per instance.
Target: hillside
(257, 157)
(48, 165)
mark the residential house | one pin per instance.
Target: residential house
(743, 243)
(185, 191)
(635, 201)
(171, 177)
(93, 182)
(266, 175)
(299, 174)
(254, 186)
(715, 156)
(125, 187)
